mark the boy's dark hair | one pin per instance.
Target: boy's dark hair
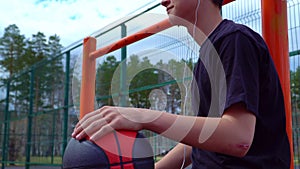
(218, 3)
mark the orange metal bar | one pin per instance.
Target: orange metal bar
(275, 32)
(160, 26)
(227, 1)
(87, 91)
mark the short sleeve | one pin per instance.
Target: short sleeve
(239, 57)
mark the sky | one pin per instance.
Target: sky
(71, 20)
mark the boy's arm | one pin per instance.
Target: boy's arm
(231, 134)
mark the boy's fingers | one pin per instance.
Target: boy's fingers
(102, 132)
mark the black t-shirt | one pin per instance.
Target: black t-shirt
(250, 77)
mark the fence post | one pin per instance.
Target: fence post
(6, 126)
(53, 136)
(275, 32)
(123, 68)
(30, 114)
(87, 89)
(66, 102)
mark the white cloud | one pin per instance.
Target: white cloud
(71, 19)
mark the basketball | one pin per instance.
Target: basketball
(118, 150)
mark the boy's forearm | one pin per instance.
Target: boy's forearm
(230, 134)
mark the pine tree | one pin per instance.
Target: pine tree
(12, 46)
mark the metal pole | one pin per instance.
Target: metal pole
(149, 31)
(123, 68)
(30, 114)
(275, 32)
(53, 136)
(87, 91)
(66, 102)
(6, 126)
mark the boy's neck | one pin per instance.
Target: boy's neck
(207, 22)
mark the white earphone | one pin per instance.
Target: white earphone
(193, 36)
